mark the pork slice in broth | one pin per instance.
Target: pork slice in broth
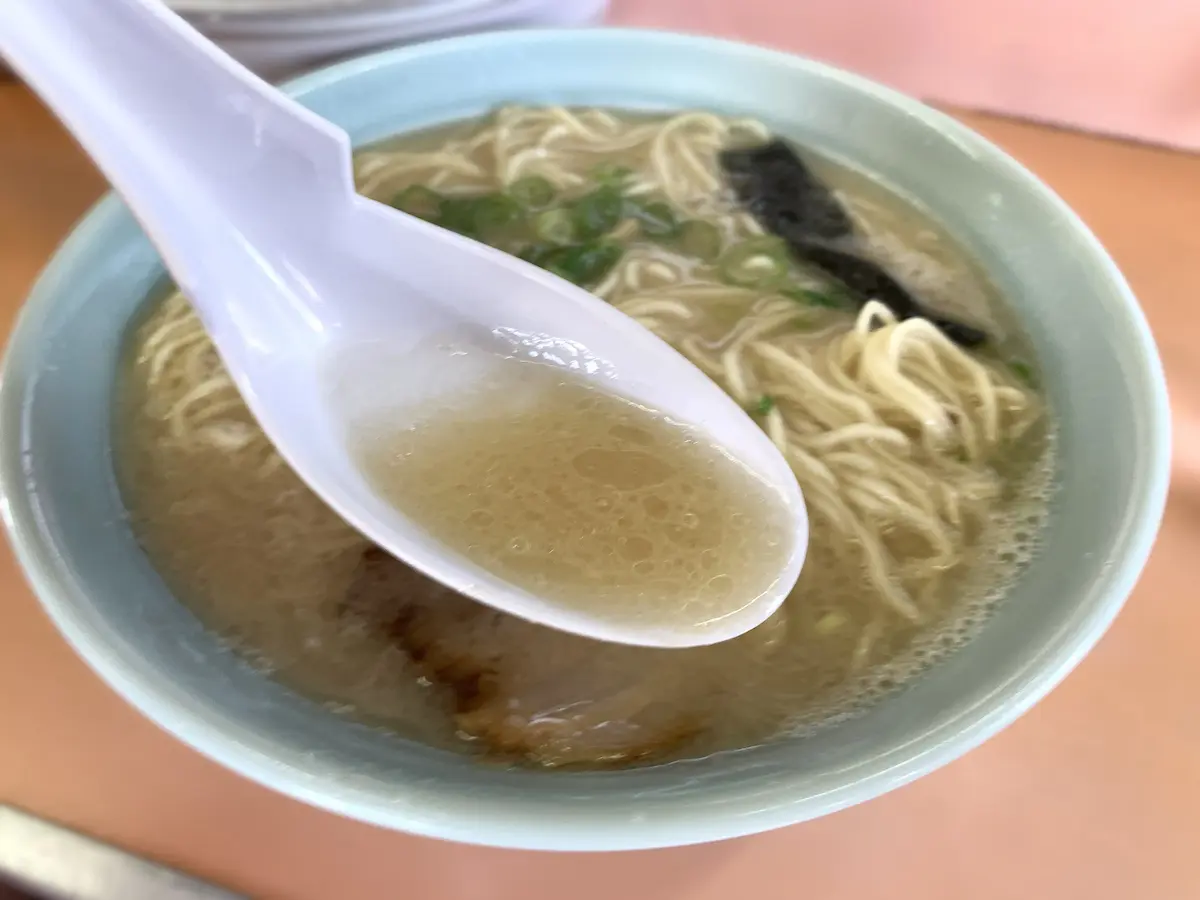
(530, 692)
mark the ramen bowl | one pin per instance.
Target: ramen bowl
(1098, 365)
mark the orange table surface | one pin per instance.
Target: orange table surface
(1095, 794)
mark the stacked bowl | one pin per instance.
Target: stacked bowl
(277, 38)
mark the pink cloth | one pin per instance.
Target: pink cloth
(1114, 66)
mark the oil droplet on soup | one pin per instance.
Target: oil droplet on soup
(584, 498)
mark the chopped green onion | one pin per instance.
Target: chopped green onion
(588, 263)
(493, 213)
(597, 213)
(533, 192)
(537, 254)
(701, 240)
(765, 404)
(813, 298)
(582, 264)
(1023, 371)
(611, 174)
(418, 200)
(557, 226)
(656, 218)
(760, 263)
(458, 214)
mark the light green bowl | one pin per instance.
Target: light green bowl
(1104, 380)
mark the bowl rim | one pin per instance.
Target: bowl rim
(48, 571)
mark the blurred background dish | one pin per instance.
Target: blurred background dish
(281, 38)
(278, 38)
(294, 6)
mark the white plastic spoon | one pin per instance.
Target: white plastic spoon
(250, 199)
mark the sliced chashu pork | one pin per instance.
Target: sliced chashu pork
(534, 693)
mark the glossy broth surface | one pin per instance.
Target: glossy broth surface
(583, 497)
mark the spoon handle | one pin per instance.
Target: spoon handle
(206, 154)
